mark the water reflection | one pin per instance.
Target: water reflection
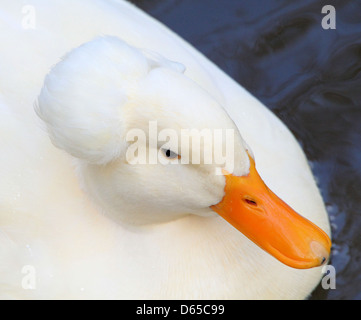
(310, 77)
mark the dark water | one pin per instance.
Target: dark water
(308, 76)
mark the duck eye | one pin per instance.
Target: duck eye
(170, 154)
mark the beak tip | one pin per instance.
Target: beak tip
(322, 251)
(323, 261)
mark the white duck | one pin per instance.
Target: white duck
(117, 230)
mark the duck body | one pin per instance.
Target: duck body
(48, 222)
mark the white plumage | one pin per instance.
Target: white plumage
(161, 240)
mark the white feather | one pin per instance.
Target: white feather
(49, 222)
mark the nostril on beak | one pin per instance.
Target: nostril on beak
(250, 202)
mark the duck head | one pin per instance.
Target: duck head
(153, 146)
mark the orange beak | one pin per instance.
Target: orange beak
(270, 223)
